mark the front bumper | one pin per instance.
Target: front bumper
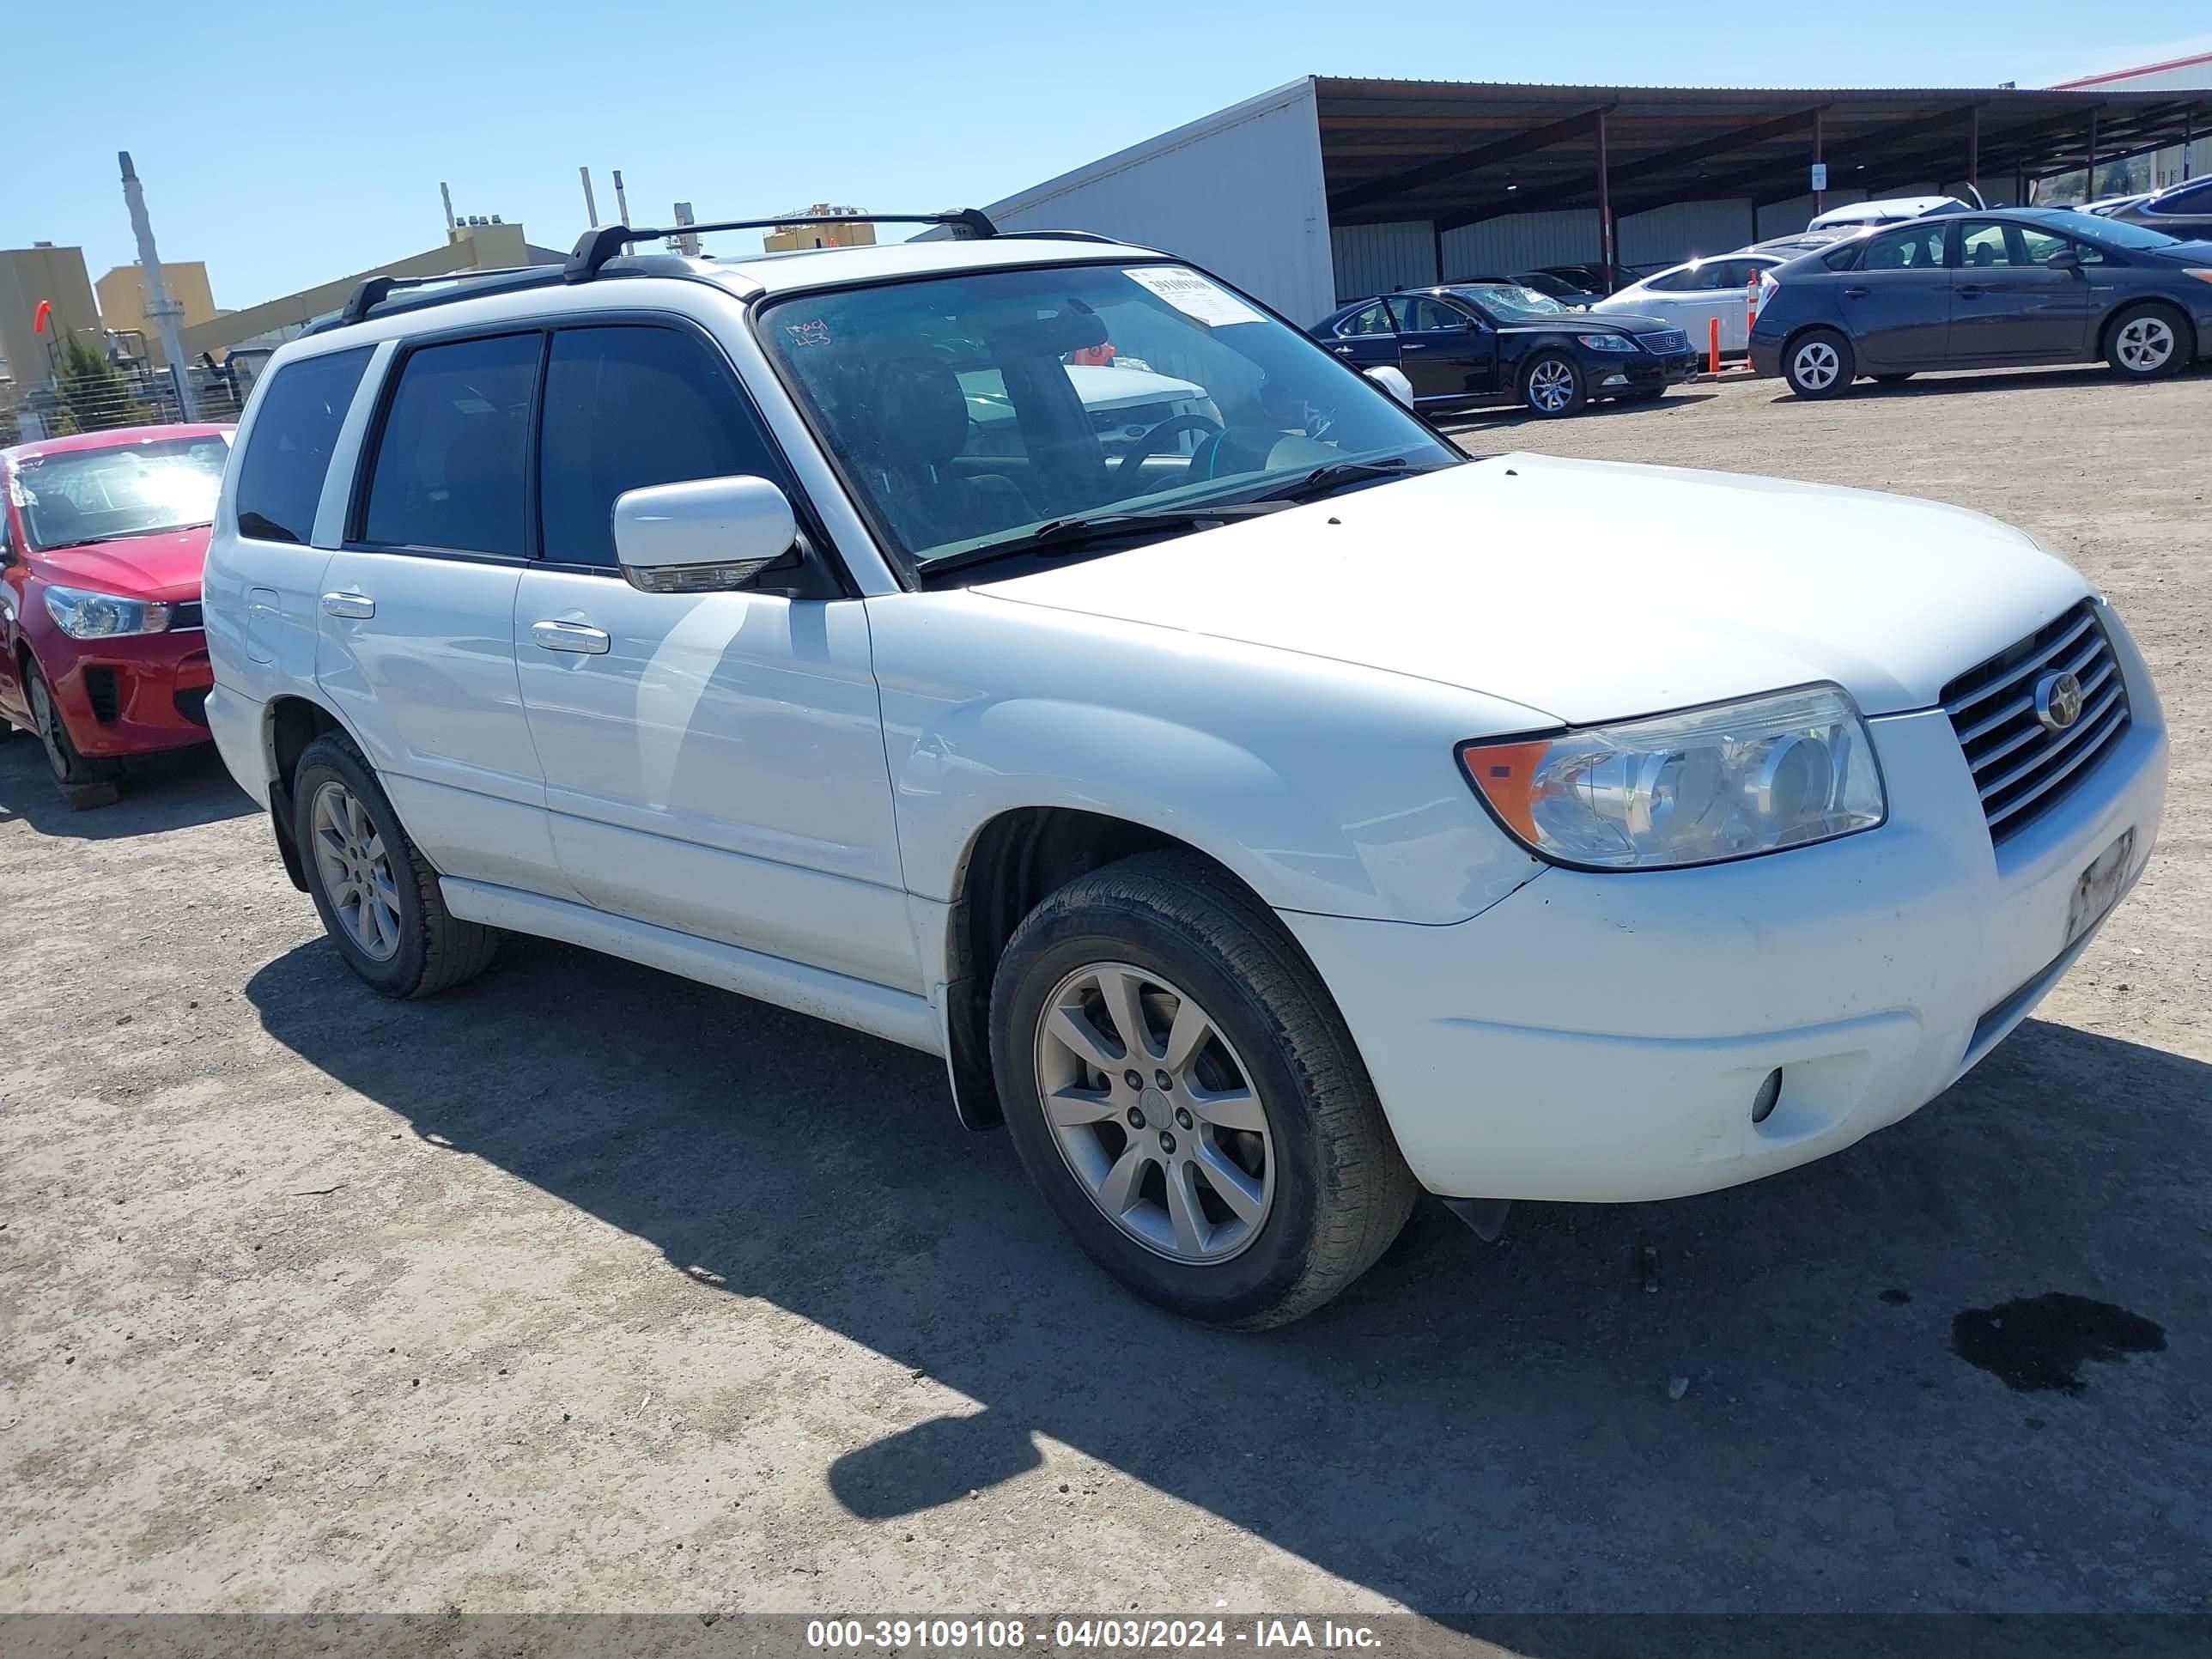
(1642, 373)
(131, 695)
(1601, 1037)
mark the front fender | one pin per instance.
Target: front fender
(1325, 787)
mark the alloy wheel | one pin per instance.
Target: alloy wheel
(2146, 343)
(47, 719)
(1817, 365)
(356, 872)
(1155, 1114)
(1551, 385)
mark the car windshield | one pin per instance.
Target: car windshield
(970, 411)
(1510, 300)
(2116, 232)
(132, 489)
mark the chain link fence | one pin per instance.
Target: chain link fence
(123, 394)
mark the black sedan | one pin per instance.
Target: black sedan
(1986, 290)
(1470, 341)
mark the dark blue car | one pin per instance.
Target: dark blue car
(1993, 289)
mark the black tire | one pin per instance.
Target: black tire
(84, 782)
(436, 950)
(1820, 364)
(1341, 1191)
(2133, 338)
(1537, 377)
(1893, 379)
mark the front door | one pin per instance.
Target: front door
(714, 762)
(1897, 304)
(1444, 352)
(2008, 306)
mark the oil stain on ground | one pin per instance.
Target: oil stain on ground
(2039, 1342)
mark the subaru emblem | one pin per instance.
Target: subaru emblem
(2058, 701)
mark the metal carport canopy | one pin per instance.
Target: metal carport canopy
(1457, 153)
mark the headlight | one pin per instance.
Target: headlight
(85, 614)
(1724, 782)
(1606, 342)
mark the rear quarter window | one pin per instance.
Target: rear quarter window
(288, 450)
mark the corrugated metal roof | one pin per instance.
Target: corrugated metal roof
(1460, 153)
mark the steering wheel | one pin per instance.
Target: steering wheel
(1156, 438)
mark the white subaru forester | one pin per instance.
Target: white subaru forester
(1268, 812)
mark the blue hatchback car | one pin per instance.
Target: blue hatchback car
(1993, 289)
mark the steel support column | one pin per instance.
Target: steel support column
(1819, 196)
(1604, 203)
(1974, 150)
(2089, 188)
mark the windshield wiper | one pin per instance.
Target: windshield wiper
(1335, 474)
(1081, 530)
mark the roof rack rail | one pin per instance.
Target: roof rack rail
(1055, 236)
(595, 247)
(373, 292)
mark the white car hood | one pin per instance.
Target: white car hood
(1590, 591)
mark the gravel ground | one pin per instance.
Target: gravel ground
(586, 1288)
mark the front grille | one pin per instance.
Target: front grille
(1664, 341)
(100, 691)
(2022, 767)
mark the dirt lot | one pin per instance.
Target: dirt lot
(588, 1288)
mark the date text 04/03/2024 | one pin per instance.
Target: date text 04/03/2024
(1108, 1635)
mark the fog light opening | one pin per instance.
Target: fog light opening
(1770, 1094)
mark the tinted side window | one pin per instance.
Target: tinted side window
(280, 477)
(449, 467)
(1375, 320)
(1431, 317)
(1919, 248)
(626, 407)
(1675, 281)
(1981, 246)
(2197, 198)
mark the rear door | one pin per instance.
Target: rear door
(714, 760)
(416, 611)
(1897, 303)
(1444, 351)
(2008, 306)
(1368, 339)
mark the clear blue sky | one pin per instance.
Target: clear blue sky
(299, 141)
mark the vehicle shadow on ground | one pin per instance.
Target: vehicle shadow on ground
(173, 791)
(1471, 1426)
(1955, 383)
(1509, 416)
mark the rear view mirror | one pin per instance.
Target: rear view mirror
(2065, 259)
(1392, 381)
(707, 534)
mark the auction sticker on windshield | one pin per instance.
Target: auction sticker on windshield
(1192, 294)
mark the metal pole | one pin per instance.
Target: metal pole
(1604, 203)
(2089, 190)
(591, 207)
(446, 196)
(159, 305)
(2188, 138)
(688, 244)
(1819, 196)
(1974, 150)
(1436, 240)
(622, 200)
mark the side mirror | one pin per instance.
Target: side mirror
(1392, 381)
(704, 536)
(2065, 259)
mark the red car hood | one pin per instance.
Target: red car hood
(168, 565)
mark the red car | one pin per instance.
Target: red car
(103, 538)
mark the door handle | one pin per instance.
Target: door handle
(1412, 345)
(1343, 350)
(1971, 290)
(577, 637)
(358, 606)
(1857, 292)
